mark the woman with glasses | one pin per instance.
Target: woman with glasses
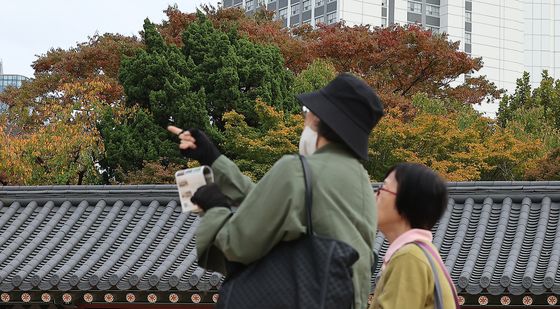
(410, 201)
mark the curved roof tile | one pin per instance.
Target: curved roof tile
(103, 237)
(495, 237)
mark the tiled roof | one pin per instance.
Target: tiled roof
(98, 238)
(496, 238)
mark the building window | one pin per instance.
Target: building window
(306, 5)
(383, 2)
(295, 9)
(319, 20)
(468, 16)
(283, 13)
(249, 4)
(383, 22)
(433, 29)
(331, 18)
(319, 3)
(468, 38)
(432, 10)
(329, 1)
(306, 22)
(10, 80)
(415, 7)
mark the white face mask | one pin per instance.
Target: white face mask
(308, 141)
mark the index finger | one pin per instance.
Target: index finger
(174, 130)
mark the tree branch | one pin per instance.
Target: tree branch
(419, 78)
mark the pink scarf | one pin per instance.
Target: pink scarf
(406, 238)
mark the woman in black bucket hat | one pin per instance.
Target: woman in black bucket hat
(341, 116)
(349, 107)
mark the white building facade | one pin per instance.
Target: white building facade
(542, 37)
(511, 36)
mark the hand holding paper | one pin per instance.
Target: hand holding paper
(188, 182)
(210, 196)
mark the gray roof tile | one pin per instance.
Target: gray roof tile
(495, 238)
(97, 237)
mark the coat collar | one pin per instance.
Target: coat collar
(336, 148)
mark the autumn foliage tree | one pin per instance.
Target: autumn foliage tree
(97, 112)
(533, 114)
(397, 60)
(59, 153)
(257, 148)
(49, 133)
(453, 139)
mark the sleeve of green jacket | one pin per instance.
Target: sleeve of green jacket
(231, 181)
(270, 212)
(406, 283)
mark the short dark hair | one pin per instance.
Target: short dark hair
(421, 194)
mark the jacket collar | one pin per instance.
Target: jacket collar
(336, 148)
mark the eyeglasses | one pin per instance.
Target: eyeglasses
(380, 188)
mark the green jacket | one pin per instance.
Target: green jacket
(408, 282)
(273, 210)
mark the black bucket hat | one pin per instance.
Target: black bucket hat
(350, 107)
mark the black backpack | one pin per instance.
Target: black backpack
(310, 272)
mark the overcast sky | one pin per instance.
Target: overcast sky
(31, 27)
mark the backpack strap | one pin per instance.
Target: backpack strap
(308, 193)
(434, 258)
